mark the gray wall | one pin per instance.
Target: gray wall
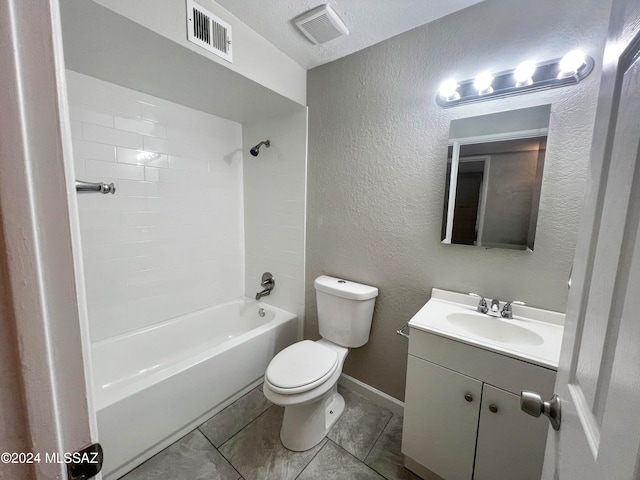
(377, 162)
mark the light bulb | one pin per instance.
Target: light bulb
(523, 73)
(571, 63)
(482, 83)
(448, 90)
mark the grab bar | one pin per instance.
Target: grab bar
(402, 332)
(88, 187)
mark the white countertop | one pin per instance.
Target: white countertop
(546, 324)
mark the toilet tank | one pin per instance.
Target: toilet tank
(345, 310)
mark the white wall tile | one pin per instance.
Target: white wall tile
(192, 164)
(86, 115)
(159, 247)
(140, 157)
(275, 235)
(97, 168)
(96, 151)
(76, 130)
(143, 127)
(172, 147)
(111, 136)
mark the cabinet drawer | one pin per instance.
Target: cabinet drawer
(505, 372)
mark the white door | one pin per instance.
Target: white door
(599, 374)
(37, 201)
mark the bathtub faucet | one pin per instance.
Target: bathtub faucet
(268, 282)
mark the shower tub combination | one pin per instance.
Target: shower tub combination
(156, 384)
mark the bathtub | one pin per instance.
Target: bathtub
(156, 384)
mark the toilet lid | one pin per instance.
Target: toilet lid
(303, 363)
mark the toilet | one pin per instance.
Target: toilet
(303, 378)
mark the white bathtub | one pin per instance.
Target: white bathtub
(155, 384)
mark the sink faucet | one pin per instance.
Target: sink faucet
(482, 304)
(494, 310)
(495, 307)
(506, 310)
(268, 283)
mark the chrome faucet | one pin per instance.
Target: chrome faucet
(495, 308)
(268, 283)
(506, 310)
(495, 311)
(482, 304)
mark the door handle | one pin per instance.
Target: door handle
(531, 403)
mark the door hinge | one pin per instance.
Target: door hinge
(85, 463)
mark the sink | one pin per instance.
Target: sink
(533, 335)
(493, 328)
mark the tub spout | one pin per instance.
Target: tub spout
(263, 293)
(268, 282)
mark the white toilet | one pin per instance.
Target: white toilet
(303, 377)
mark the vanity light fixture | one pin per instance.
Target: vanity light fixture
(527, 77)
(482, 83)
(571, 63)
(449, 90)
(523, 74)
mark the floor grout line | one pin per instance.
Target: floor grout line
(377, 438)
(239, 431)
(217, 450)
(327, 440)
(352, 455)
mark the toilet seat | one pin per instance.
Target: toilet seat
(301, 367)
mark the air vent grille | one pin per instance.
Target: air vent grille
(208, 31)
(321, 24)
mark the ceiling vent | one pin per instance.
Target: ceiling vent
(321, 24)
(208, 31)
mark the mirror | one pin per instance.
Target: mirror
(494, 179)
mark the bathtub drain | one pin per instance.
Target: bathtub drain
(262, 312)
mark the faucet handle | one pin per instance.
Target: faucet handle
(267, 280)
(482, 304)
(506, 310)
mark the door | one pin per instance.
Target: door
(465, 213)
(598, 380)
(441, 419)
(41, 302)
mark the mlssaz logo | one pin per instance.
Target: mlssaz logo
(73, 457)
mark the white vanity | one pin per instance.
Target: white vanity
(465, 372)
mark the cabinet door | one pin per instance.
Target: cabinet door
(510, 442)
(440, 424)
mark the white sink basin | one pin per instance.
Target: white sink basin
(533, 335)
(493, 328)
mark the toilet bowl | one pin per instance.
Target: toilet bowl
(303, 377)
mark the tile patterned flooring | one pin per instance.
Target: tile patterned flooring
(242, 442)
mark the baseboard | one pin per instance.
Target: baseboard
(376, 396)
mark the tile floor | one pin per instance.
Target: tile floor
(242, 443)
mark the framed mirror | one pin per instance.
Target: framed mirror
(494, 180)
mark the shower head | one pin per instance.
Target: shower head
(255, 150)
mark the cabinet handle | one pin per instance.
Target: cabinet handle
(493, 408)
(468, 397)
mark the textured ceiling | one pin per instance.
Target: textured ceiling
(368, 21)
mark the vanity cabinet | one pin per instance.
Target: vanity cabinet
(462, 418)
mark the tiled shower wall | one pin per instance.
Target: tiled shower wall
(171, 240)
(275, 204)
